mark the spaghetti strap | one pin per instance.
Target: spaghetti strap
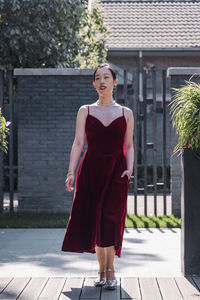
(123, 110)
(88, 110)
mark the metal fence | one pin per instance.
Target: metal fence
(141, 145)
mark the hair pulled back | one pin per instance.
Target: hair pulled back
(109, 67)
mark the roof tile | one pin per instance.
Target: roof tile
(152, 24)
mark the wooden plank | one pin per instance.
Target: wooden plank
(111, 294)
(169, 289)
(52, 289)
(71, 289)
(197, 280)
(187, 287)
(89, 291)
(4, 281)
(149, 288)
(14, 288)
(33, 288)
(130, 288)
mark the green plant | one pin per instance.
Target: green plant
(4, 131)
(185, 114)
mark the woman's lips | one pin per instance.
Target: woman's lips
(102, 87)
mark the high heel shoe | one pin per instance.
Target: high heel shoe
(100, 282)
(111, 284)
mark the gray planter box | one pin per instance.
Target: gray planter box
(190, 212)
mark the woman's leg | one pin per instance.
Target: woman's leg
(101, 256)
(110, 255)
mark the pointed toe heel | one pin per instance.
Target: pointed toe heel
(101, 281)
(111, 284)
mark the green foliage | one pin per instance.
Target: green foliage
(185, 114)
(49, 34)
(135, 221)
(4, 131)
(93, 34)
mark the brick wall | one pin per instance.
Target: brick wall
(48, 103)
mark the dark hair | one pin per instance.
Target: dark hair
(112, 70)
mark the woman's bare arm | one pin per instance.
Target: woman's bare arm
(129, 144)
(77, 145)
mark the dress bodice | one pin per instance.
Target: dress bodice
(107, 139)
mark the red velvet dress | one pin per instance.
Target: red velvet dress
(100, 197)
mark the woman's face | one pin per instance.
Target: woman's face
(104, 82)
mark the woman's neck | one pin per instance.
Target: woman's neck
(106, 100)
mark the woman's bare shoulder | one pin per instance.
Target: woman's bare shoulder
(128, 113)
(82, 112)
(83, 109)
(128, 110)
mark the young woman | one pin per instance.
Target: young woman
(97, 218)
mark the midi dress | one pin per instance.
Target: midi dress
(98, 211)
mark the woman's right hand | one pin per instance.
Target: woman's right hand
(69, 182)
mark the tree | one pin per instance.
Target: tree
(93, 34)
(50, 33)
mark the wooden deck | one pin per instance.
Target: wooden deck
(62, 288)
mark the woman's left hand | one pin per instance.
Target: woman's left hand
(128, 173)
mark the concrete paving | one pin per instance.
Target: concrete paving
(37, 252)
(150, 205)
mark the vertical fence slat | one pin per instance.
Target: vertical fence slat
(1, 152)
(135, 139)
(125, 88)
(145, 140)
(154, 139)
(164, 142)
(11, 108)
(116, 93)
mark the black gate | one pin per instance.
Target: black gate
(146, 182)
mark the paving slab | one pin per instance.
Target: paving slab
(37, 253)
